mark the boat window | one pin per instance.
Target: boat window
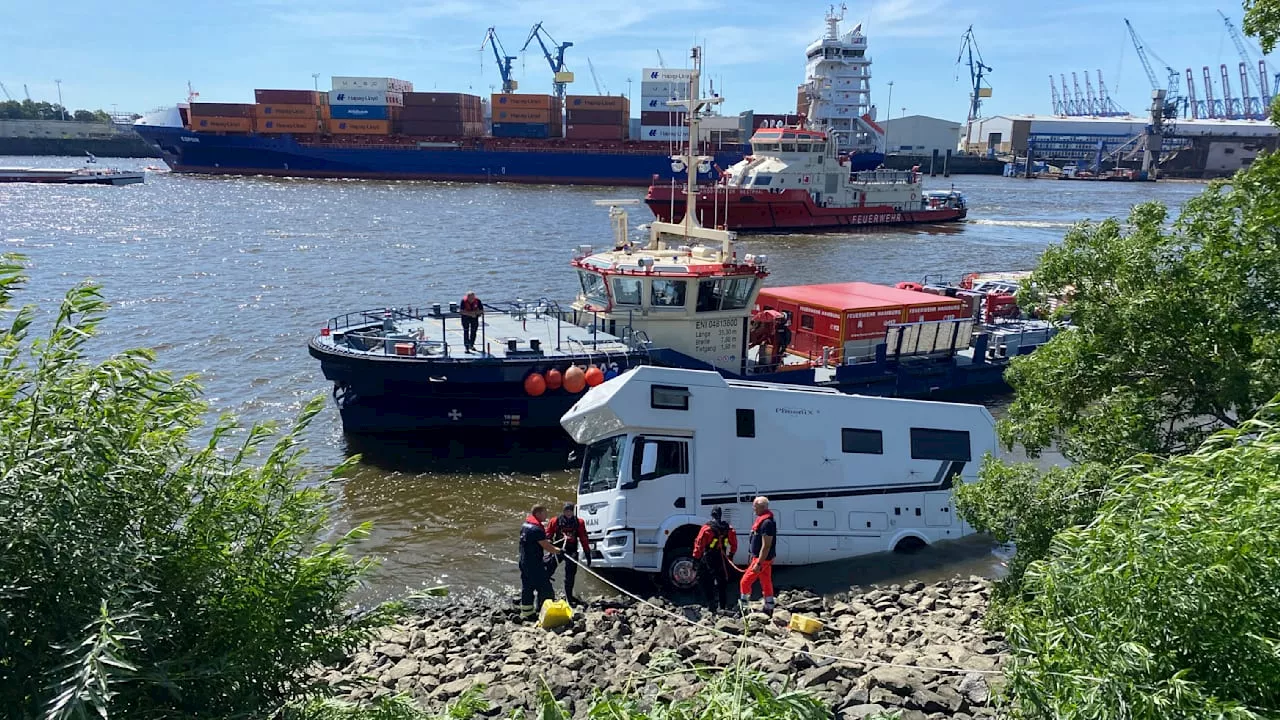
(724, 294)
(652, 459)
(626, 291)
(593, 288)
(788, 136)
(788, 147)
(667, 293)
(600, 465)
(803, 147)
(931, 444)
(806, 322)
(746, 423)
(763, 179)
(866, 442)
(820, 147)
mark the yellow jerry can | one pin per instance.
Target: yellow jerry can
(805, 624)
(555, 613)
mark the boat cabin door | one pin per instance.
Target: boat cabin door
(657, 484)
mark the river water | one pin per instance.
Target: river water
(229, 277)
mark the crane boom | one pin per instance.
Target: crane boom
(977, 69)
(509, 84)
(560, 78)
(1238, 39)
(1142, 55)
(5, 90)
(596, 78)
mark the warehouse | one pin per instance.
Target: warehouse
(920, 135)
(1194, 148)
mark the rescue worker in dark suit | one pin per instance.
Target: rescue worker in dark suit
(568, 532)
(715, 545)
(534, 579)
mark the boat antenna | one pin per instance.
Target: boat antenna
(696, 106)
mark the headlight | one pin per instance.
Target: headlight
(615, 541)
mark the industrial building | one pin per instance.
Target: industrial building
(920, 135)
(1191, 148)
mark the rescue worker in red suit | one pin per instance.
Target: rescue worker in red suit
(471, 310)
(534, 579)
(715, 545)
(568, 532)
(764, 548)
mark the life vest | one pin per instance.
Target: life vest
(719, 536)
(471, 304)
(531, 535)
(567, 530)
(757, 541)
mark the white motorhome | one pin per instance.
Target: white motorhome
(845, 475)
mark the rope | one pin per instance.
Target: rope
(771, 645)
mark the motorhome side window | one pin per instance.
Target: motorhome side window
(667, 293)
(654, 458)
(600, 468)
(746, 423)
(668, 397)
(857, 440)
(931, 444)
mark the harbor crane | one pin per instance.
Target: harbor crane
(1254, 108)
(977, 70)
(509, 83)
(1058, 108)
(561, 77)
(596, 79)
(5, 90)
(1173, 100)
(1106, 106)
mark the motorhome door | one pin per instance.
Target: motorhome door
(657, 485)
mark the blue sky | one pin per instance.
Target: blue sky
(139, 54)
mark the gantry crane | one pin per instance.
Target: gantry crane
(5, 90)
(1255, 107)
(596, 79)
(977, 69)
(561, 77)
(1173, 100)
(509, 83)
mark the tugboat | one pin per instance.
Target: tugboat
(794, 180)
(685, 297)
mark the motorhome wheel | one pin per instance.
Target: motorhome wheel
(681, 570)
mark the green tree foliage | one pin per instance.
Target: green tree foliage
(29, 110)
(1168, 604)
(143, 575)
(1262, 20)
(1175, 332)
(1026, 506)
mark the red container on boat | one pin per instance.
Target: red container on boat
(595, 132)
(660, 118)
(286, 97)
(851, 317)
(242, 110)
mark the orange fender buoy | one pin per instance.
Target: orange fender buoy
(554, 380)
(534, 384)
(594, 376)
(575, 379)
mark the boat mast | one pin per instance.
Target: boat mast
(695, 104)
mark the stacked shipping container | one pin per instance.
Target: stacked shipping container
(288, 111)
(221, 117)
(436, 114)
(659, 121)
(593, 117)
(527, 116)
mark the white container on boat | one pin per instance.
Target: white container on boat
(384, 84)
(662, 133)
(365, 97)
(666, 74)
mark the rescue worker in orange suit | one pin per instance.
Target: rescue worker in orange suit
(567, 530)
(764, 548)
(471, 310)
(534, 578)
(715, 544)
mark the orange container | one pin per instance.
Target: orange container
(521, 116)
(269, 125)
(523, 102)
(221, 124)
(310, 112)
(596, 102)
(360, 127)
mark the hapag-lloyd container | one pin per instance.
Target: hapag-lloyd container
(528, 102)
(596, 117)
(383, 84)
(269, 126)
(365, 97)
(441, 99)
(286, 97)
(666, 75)
(521, 130)
(360, 127)
(659, 118)
(311, 112)
(201, 123)
(521, 115)
(244, 110)
(595, 132)
(662, 133)
(359, 112)
(615, 103)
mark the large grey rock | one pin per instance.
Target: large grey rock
(392, 650)
(975, 689)
(896, 680)
(819, 676)
(858, 712)
(404, 668)
(883, 696)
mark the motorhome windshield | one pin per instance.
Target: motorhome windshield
(600, 468)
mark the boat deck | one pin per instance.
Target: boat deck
(503, 335)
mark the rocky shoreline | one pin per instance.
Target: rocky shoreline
(443, 650)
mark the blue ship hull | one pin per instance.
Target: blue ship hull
(204, 153)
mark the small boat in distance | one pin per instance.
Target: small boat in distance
(795, 181)
(70, 176)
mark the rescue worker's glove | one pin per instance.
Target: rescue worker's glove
(586, 556)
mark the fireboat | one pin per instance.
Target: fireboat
(685, 295)
(795, 181)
